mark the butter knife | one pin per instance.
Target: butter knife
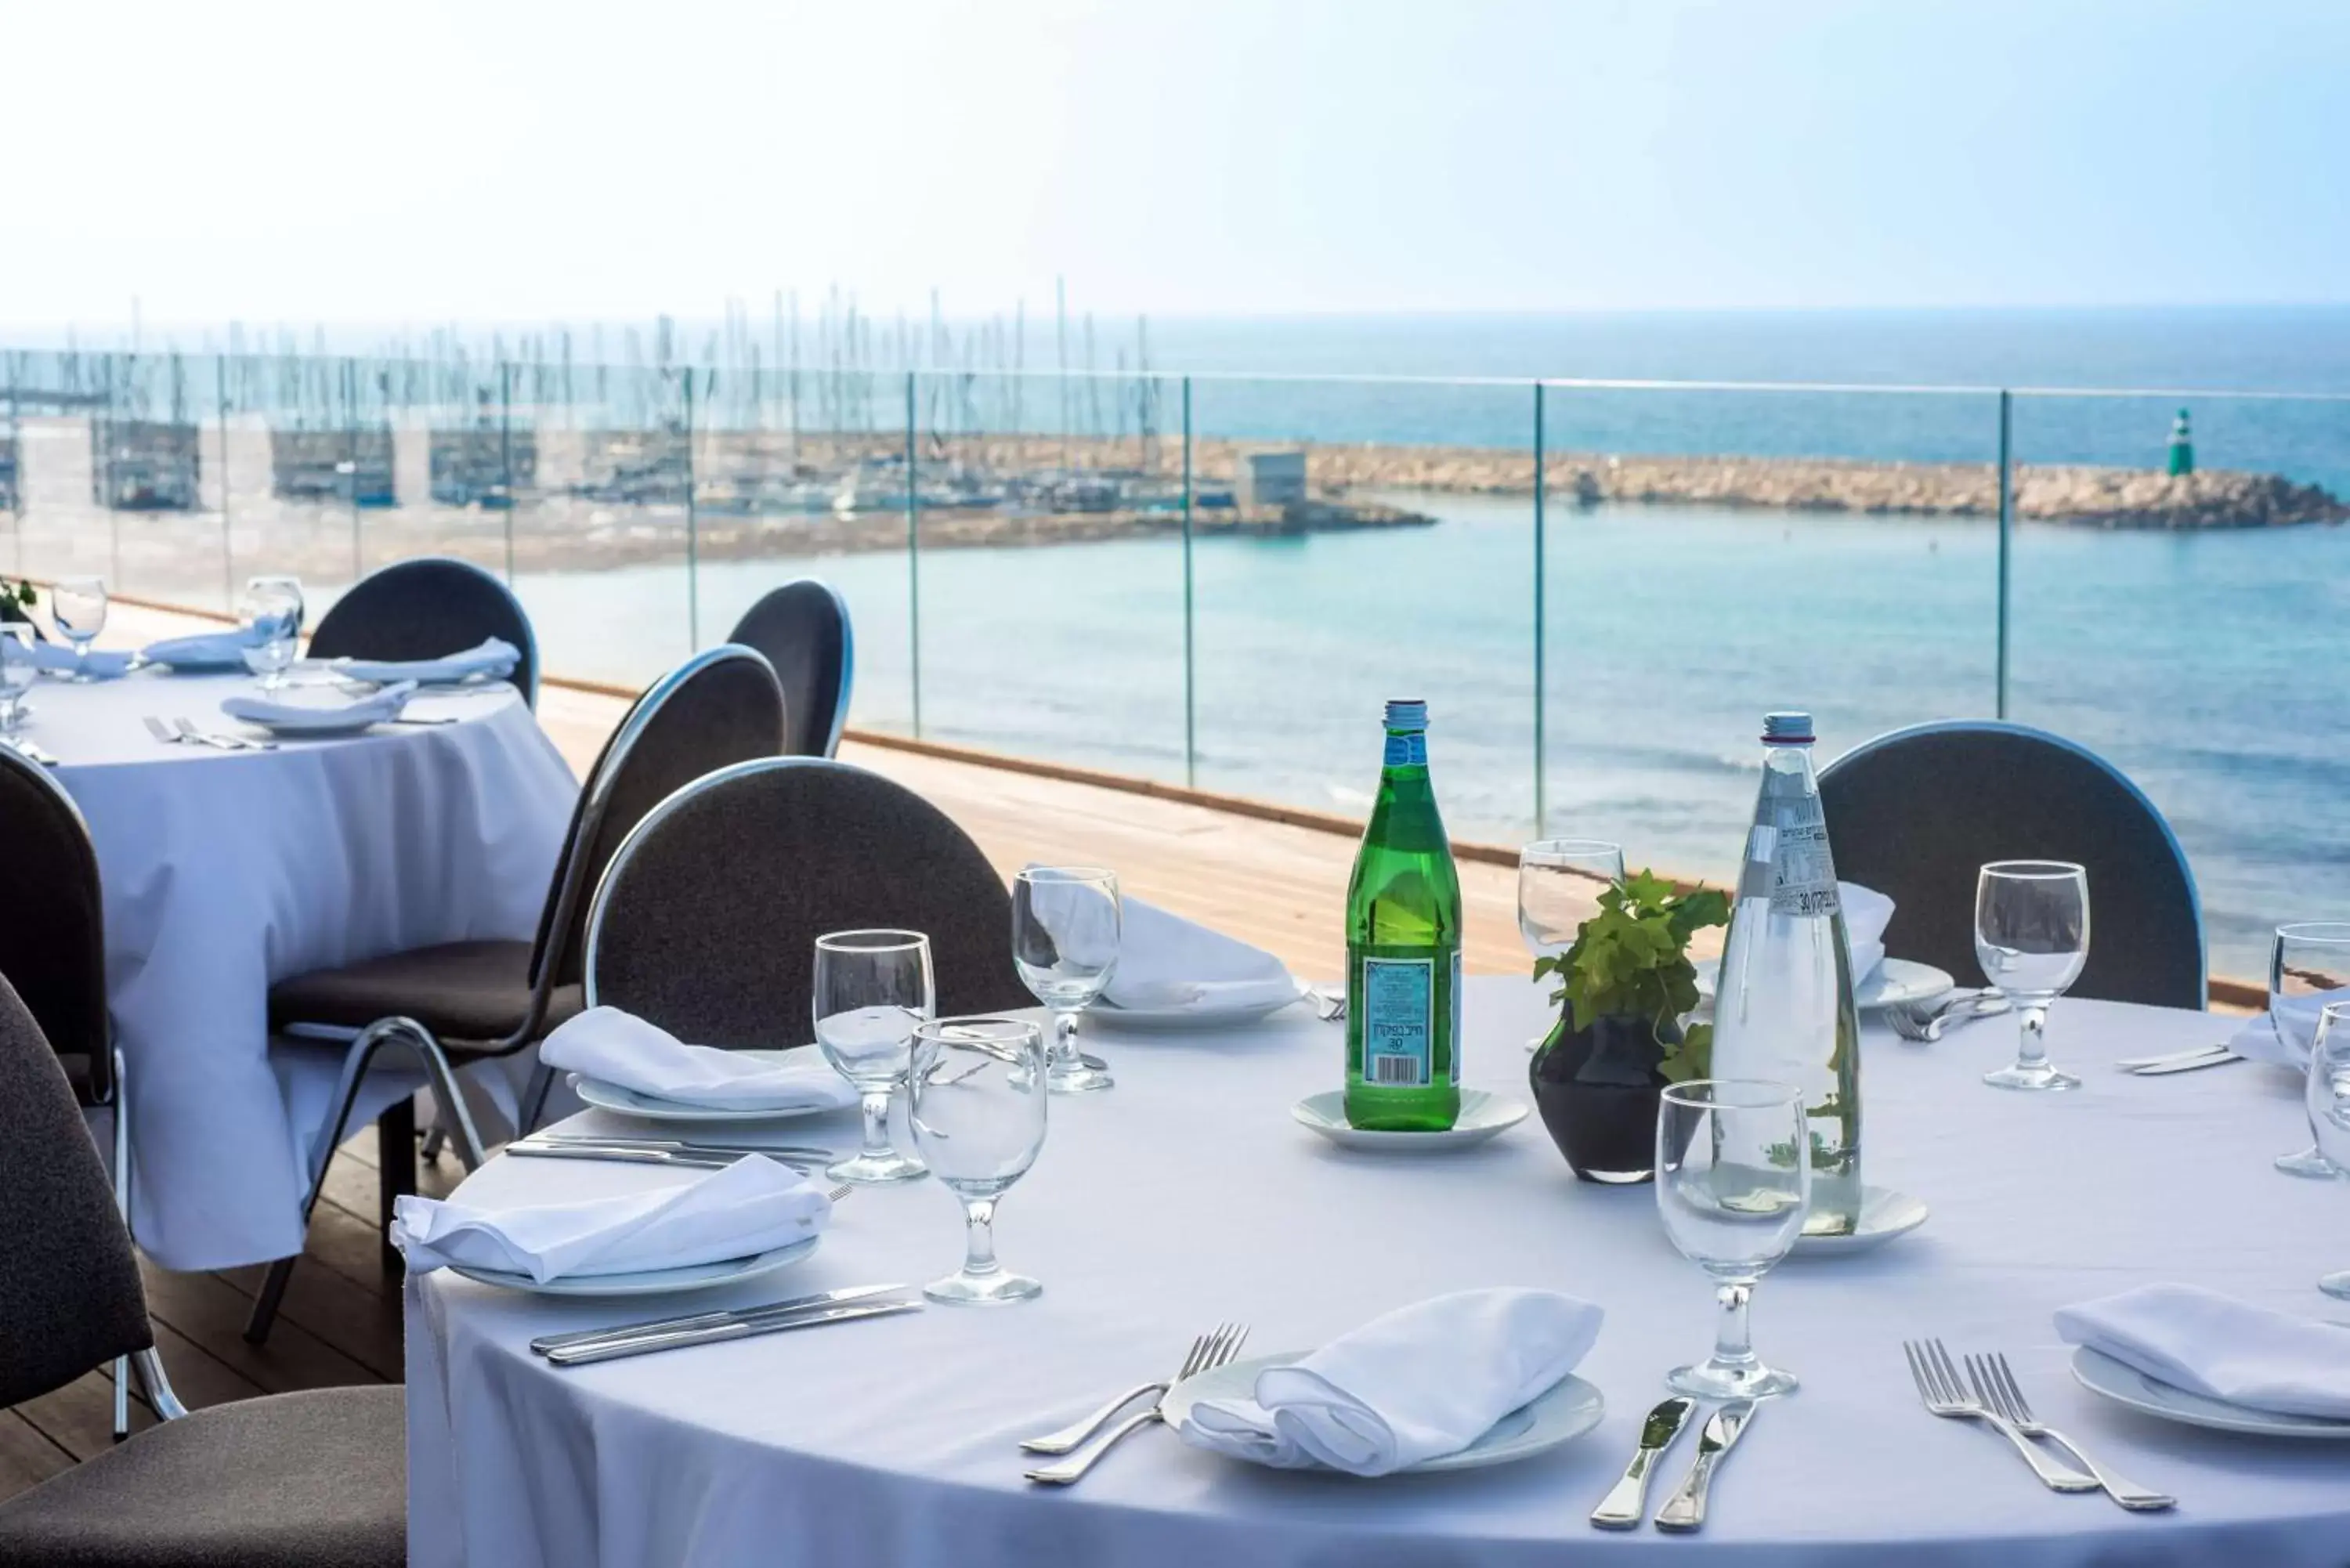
(620, 1156)
(1625, 1506)
(2187, 1064)
(1685, 1510)
(548, 1342)
(741, 1328)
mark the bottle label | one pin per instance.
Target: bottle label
(1803, 878)
(1456, 1018)
(1399, 1020)
(1406, 751)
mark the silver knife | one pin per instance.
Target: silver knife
(678, 1145)
(2187, 1064)
(644, 1345)
(1685, 1510)
(621, 1155)
(1625, 1506)
(2139, 1064)
(547, 1342)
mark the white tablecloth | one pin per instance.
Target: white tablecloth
(1186, 1196)
(225, 871)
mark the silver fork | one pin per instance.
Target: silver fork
(1995, 1385)
(1208, 1353)
(1076, 1433)
(1924, 1026)
(1938, 1387)
(226, 742)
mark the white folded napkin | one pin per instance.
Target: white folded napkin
(1421, 1382)
(622, 1049)
(105, 663)
(753, 1206)
(374, 709)
(1866, 913)
(495, 658)
(1167, 962)
(223, 649)
(2262, 1041)
(2215, 1345)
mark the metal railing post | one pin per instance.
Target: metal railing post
(506, 458)
(692, 531)
(1541, 650)
(228, 542)
(1191, 690)
(913, 564)
(2006, 535)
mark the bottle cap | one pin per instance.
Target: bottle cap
(1407, 713)
(1786, 729)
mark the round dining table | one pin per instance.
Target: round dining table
(223, 871)
(1188, 1197)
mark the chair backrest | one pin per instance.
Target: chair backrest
(425, 608)
(1918, 813)
(706, 922)
(69, 1294)
(803, 628)
(52, 917)
(720, 707)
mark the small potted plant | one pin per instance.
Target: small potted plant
(16, 599)
(1623, 987)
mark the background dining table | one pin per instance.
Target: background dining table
(223, 872)
(1187, 1197)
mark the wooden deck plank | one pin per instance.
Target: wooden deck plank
(27, 1456)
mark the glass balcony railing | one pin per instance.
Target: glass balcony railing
(1216, 580)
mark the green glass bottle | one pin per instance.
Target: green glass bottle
(1403, 949)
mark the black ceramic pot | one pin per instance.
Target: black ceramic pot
(1597, 1089)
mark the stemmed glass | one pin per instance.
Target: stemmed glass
(2329, 1104)
(2032, 937)
(271, 614)
(1733, 1180)
(871, 989)
(1559, 879)
(1064, 934)
(2309, 966)
(978, 1114)
(17, 671)
(77, 605)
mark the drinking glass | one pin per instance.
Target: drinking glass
(1733, 1180)
(871, 989)
(2329, 1104)
(271, 614)
(978, 1114)
(77, 605)
(1065, 935)
(1558, 880)
(2032, 937)
(17, 672)
(2309, 966)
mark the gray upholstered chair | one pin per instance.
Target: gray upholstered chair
(303, 1480)
(706, 922)
(1917, 812)
(463, 1001)
(425, 607)
(803, 628)
(53, 939)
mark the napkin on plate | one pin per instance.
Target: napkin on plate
(495, 659)
(1167, 962)
(2222, 1348)
(207, 650)
(753, 1206)
(374, 709)
(105, 663)
(1421, 1382)
(2260, 1039)
(1866, 913)
(622, 1049)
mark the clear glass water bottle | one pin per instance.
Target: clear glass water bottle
(1782, 1007)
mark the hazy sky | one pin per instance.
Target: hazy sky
(515, 160)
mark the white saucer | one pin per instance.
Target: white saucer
(653, 1282)
(649, 1108)
(1883, 1214)
(1483, 1116)
(1896, 982)
(1171, 1020)
(1564, 1412)
(2125, 1385)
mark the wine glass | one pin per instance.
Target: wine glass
(17, 671)
(2329, 1104)
(77, 605)
(978, 1114)
(1733, 1180)
(2309, 966)
(1065, 935)
(1558, 880)
(271, 614)
(2032, 937)
(871, 989)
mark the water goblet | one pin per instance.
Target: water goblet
(17, 672)
(1733, 1181)
(2032, 937)
(1558, 881)
(977, 1108)
(77, 605)
(271, 614)
(2329, 1104)
(1066, 922)
(2309, 966)
(871, 989)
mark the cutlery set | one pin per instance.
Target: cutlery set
(1209, 1351)
(1990, 1394)
(848, 1305)
(45, 758)
(1925, 1023)
(186, 733)
(1626, 1503)
(2178, 1061)
(620, 1151)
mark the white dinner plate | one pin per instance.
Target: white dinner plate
(1883, 1214)
(1896, 982)
(1167, 1019)
(653, 1282)
(630, 1102)
(1483, 1116)
(328, 718)
(1564, 1412)
(2125, 1385)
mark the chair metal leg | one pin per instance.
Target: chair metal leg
(534, 1098)
(121, 1207)
(436, 1139)
(159, 1387)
